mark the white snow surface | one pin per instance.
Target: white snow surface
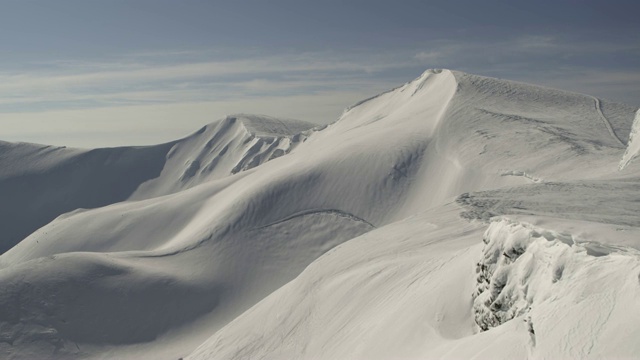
(456, 216)
(633, 148)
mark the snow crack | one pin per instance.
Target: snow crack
(522, 174)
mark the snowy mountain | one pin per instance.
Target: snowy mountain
(455, 216)
(39, 182)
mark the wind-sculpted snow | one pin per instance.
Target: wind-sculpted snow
(546, 278)
(343, 241)
(511, 274)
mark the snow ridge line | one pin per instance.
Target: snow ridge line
(633, 147)
(606, 121)
(320, 211)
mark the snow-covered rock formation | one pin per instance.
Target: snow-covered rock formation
(264, 238)
(559, 284)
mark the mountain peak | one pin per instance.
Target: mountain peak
(264, 125)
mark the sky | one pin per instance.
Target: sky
(108, 73)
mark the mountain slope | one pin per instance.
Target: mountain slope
(38, 183)
(633, 147)
(389, 293)
(381, 181)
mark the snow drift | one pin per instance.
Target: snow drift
(264, 238)
(545, 277)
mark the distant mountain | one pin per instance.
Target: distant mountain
(454, 216)
(38, 182)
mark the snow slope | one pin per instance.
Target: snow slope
(357, 240)
(409, 296)
(38, 183)
(633, 149)
(405, 290)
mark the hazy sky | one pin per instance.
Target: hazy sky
(104, 73)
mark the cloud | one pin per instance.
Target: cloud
(102, 83)
(428, 55)
(157, 123)
(175, 92)
(198, 75)
(535, 43)
(120, 72)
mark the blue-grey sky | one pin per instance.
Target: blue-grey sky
(112, 72)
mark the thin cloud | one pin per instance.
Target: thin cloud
(122, 72)
(581, 66)
(152, 90)
(185, 81)
(535, 43)
(429, 55)
(156, 123)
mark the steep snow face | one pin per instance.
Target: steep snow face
(237, 143)
(633, 149)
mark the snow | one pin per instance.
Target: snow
(258, 237)
(547, 279)
(373, 304)
(633, 148)
(39, 183)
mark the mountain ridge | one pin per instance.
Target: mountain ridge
(388, 172)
